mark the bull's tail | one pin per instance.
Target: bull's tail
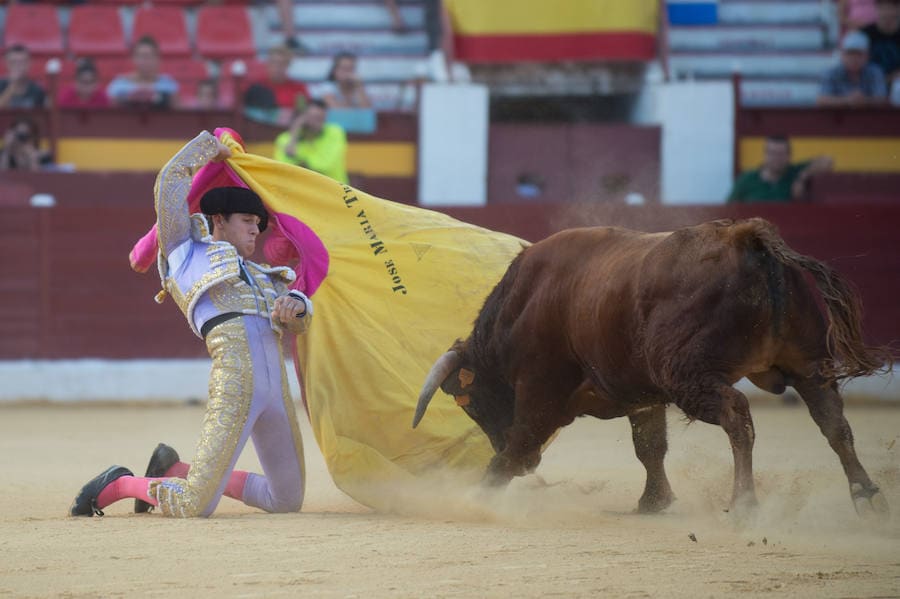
(849, 355)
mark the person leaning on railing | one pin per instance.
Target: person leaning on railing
(777, 179)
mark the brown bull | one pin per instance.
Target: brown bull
(609, 322)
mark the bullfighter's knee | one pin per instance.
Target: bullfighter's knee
(287, 505)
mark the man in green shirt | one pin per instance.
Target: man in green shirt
(312, 143)
(777, 180)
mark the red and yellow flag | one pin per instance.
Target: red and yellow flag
(501, 31)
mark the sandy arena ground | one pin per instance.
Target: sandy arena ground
(569, 532)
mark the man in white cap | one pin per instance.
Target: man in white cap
(854, 81)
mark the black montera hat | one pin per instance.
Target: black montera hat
(228, 200)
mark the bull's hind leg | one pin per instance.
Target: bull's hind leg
(827, 409)
(648, 431)
(717, 402)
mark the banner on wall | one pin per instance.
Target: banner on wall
(505, 31)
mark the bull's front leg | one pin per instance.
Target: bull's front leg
(648, 432)
(536, 418)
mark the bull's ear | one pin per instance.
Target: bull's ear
(465, 377)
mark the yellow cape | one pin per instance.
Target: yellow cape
(403, 283)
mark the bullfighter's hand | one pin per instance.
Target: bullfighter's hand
(286, 308)
(224, 152)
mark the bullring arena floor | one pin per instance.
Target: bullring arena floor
(568, 533)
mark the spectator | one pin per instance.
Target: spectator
(345, 89)
(856, 14)
(853, 81)
(277, 90)
(85, 92)
(884, 38)
(777, 180)
(20, 148)
(207, 97)
(312, 143)
(18, 90)
(146, 86)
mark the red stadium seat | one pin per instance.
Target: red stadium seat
(224, 32)
(165, 24)
(36, 27)
(96, 31)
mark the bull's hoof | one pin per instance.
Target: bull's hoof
(869, 502)
(654, 503)
(500, 471)
(744, 508)
(495, 480)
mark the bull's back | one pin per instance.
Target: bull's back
(570, 299)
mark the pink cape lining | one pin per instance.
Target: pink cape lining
(290, 240)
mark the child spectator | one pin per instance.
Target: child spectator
(145, 86)
(18, 90)
(207, 97)
(85, 92)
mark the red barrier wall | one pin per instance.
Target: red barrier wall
(66, 290)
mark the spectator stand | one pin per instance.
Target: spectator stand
(780, 48)
(864, 143)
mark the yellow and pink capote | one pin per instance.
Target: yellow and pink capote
(393, 286)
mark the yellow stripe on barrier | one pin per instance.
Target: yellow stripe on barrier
(377, 159)
(504, 17)
(850, 154)
(372, 158)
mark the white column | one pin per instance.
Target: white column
(453, 145)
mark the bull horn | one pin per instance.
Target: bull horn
(440, 371)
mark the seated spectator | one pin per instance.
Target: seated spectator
(207, 97)
(85, 92)
(145, 86)
(20, 148)
(853, 81)
(277, 90)
(18, 90)
(777, 180)
(855, 14)
(884, 38)
(345, 89)
(312, 143)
